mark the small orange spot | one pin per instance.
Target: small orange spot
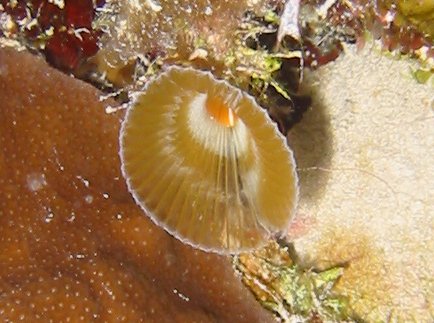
(219, 112)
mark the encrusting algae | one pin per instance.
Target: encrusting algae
(207, 163)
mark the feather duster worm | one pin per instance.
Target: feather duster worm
(205, 162)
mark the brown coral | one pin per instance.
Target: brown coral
(73, 244)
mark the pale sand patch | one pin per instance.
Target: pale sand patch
(366, 157)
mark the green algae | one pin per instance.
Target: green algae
(290, 291)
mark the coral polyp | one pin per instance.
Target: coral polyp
(205, 162)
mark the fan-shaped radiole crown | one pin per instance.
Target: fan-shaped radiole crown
(206, 163)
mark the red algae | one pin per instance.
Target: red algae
(328, 24)
(62, 30)
(73, 244)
